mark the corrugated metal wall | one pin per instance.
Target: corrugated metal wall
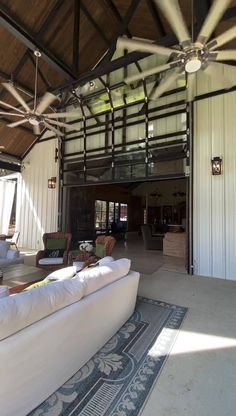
(215, 196)
(37, 206)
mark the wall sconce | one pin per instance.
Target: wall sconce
(216, 166)
(52, 182)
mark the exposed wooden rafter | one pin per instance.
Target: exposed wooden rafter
(94, 23)
(156, 17)
(13, 25)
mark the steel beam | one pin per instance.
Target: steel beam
(13, 25)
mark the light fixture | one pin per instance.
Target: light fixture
(52, 182)
(216, 166)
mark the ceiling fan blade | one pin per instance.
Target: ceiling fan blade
(173, 14)
(58, 132)
(67, 126)
(18, 123)
(12, 107)
(6, 113)
(139, 45)
(222, 39)
(47, 99)
(37, 130)
(216, 11)
(167, 81)
(191, 86)
(9, 87)
(226, 55)
(149, 72)
(70, 114)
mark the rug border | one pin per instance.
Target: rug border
(164, 362)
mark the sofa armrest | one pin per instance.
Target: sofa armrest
(13, 254)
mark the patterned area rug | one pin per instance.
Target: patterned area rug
(118, 379)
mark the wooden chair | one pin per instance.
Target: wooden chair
(107, 241)
(14, 239)
(53, 264)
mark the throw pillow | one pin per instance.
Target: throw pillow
(99, 250)
(62, 274)
(39, 284)
(54, 253)
(56, 243)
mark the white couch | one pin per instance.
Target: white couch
(9, 256)
(49, 333)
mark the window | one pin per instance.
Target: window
(100, 214)
(108, 212)
(123, 212)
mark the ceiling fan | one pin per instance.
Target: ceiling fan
(35, 116)
(190, 56)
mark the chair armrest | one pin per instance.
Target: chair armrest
(40, 255)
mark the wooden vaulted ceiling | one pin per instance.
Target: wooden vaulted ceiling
(76, 36)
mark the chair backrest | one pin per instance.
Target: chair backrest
(108, 242)
(146, 232)
(58, 235)
(15, 237)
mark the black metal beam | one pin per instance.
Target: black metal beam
(156, 17)
(116, 13)
(10, 166)
(121, 29)
(13, 25)
(94, 23)
(76, 36)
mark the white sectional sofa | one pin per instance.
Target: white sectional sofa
(48, 333)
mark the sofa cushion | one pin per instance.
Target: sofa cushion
(105, 260)
(62, 274)
(97, 277)
(51, 260)
(23, 309)
(4, 247)
(56, 243)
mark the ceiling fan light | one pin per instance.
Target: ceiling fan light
(193, 65)
(33, 121)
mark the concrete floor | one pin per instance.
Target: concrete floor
(199, 376)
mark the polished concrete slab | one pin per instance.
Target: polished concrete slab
(199, 376)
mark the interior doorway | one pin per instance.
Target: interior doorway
(122, 209)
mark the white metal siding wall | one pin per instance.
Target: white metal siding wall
(215, 196)
(37, 206)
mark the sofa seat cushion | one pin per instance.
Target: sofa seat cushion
(97, 277)
(51, 260)
(4, 247)
(23, 309)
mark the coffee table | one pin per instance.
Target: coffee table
(21, 274)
